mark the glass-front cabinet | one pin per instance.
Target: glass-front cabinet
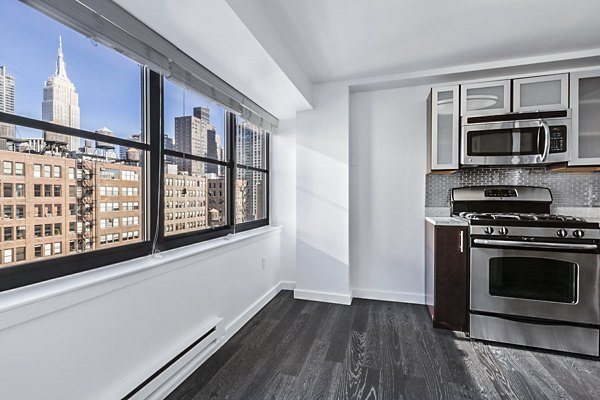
(585, 104)
(444, 128)
(485, 98)
(541, 93)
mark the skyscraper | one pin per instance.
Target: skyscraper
(61, 104)
(7, 102)
(190, 137)
(250, 152)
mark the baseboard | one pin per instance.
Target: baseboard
(287, 285)
(327, 297)
(176, 377)
(399, 297)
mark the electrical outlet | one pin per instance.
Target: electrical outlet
(264, 262)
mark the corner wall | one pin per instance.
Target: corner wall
(387, 182)
(322, 198)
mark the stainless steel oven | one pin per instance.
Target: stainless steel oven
(539, 293)
(516, 139)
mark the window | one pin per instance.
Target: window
(8, 167)
(8, 256)
(20, 211)
(8, 189)
(8, 233)
(20, 254)
(19, 170)
(208, 188)
(8, 212)
(19, 190)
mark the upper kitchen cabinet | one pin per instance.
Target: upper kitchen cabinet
(585, 103)
(444, 128)
(485, 98)
(541, 93)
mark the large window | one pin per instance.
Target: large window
(105, 154)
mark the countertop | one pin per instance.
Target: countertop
(446, 221)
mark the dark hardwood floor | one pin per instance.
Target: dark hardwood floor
(294, 349)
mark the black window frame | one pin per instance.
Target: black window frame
(153, 216)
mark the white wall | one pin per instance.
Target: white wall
(283, 187)
(387, 180)
(101, 341)
(322, 270)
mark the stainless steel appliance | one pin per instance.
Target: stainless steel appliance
(534, 276)
(516, 138)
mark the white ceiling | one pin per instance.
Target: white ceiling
(211, 33)
(343, 39)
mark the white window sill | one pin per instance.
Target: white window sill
(28, 302)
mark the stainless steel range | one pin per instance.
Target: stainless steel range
(535, 276)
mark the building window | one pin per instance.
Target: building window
(37, 190)
(47, 171)
(37, 171)
(8, 189)
(19, 190)
(8, 256)
(57, 191)
(48, 230)
(47, 190)
(57, 248)
(8, 167)
(8, 233)
(8, 212)
(71, 173)
(19, 170)
(37, 229)
(57, 171)
(37, 250)
(21, 232)
(47, 249)
(20, 211)
(20, 254)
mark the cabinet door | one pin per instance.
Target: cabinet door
(450, 293)
(444, 128)
(585, 131)
(541, 93)
(485, 98)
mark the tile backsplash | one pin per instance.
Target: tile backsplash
(568, 189)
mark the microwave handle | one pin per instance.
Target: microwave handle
(544, 124)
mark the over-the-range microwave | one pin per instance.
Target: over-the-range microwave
(516, 138)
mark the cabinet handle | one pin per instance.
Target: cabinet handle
(461, 245)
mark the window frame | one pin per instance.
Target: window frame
(45, 268)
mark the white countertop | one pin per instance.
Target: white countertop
(448, 221)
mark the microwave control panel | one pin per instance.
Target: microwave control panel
(558, 139)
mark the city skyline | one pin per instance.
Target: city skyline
(114, 102)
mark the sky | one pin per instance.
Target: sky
(108, 83)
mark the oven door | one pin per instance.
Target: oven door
(514, 143)
(552, 285)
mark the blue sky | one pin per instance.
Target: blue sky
(108, 83)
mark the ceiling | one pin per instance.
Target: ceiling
(348, 39)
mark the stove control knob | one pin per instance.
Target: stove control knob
(503, 231)
(488, 230)
(562, 233)
(578, 233)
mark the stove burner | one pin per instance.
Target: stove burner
(519, 217)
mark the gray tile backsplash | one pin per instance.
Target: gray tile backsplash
(568, 189)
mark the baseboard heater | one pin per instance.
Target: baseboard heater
(175, 371)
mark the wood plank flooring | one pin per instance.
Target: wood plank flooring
(294, 349)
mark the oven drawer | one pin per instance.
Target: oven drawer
(552, 285)
(573, 339)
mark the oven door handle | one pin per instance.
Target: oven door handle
(535, 245)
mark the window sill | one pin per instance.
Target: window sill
(28, 302)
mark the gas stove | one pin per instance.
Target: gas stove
(535, 276)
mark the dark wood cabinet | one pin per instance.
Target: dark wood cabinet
(447, 276)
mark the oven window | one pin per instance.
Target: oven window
(533, 278)
(499, 142)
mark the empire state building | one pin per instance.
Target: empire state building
(61, 104)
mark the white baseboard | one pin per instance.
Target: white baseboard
(399, 297)
(176, 377)
(287, 285)
(327, 297)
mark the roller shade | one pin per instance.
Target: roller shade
(109, 24)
